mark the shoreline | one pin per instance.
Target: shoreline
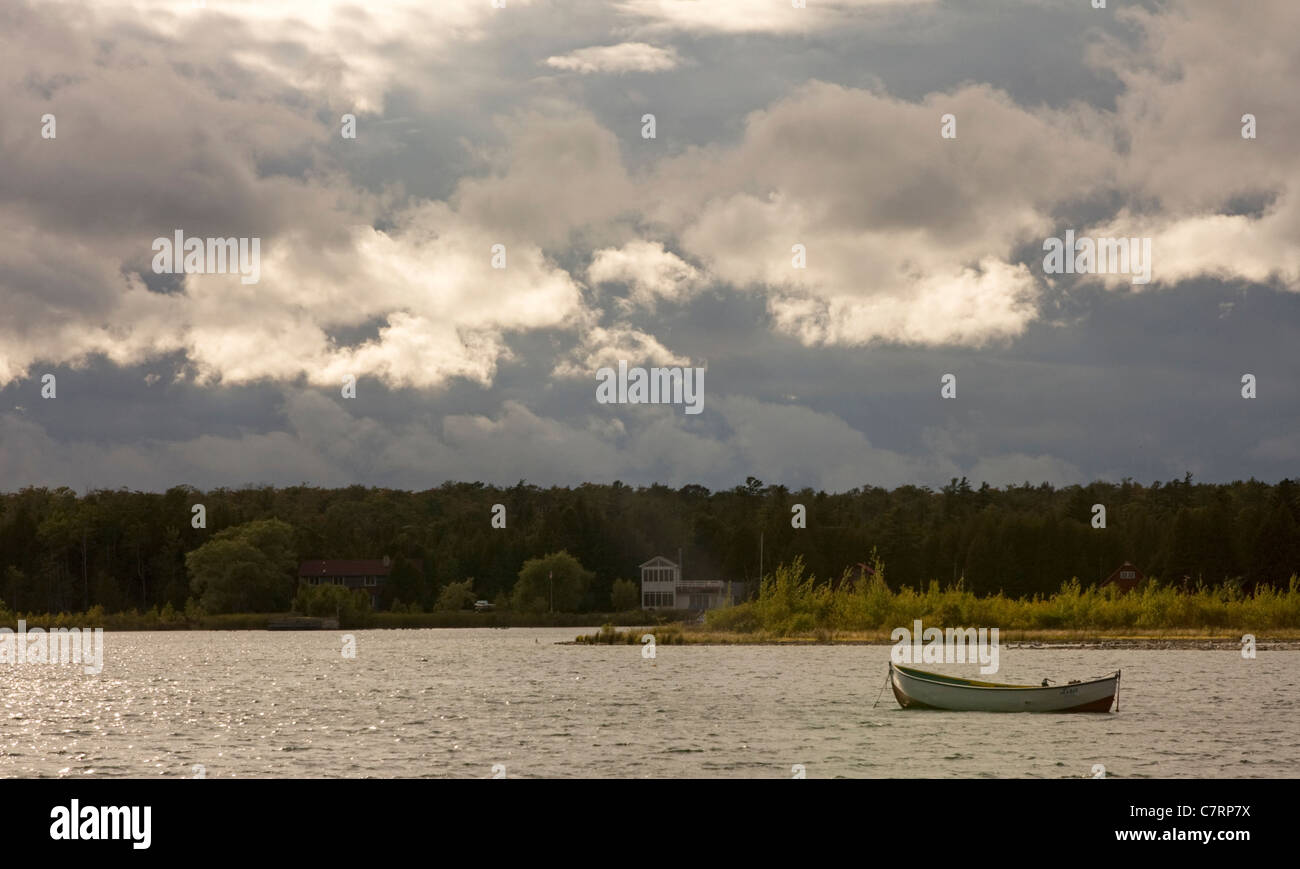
(679, 633)
(1209, 639)
(147, 622)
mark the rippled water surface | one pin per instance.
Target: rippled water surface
(457, 702)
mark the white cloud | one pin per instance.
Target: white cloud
(909, 240)
(600, 346)
(1257, 249)
(1198, 69)
(563, 171)
(621, 58)
(651, 272)
(749, 16)
(444, 307)
(970, 307)
(347, 53)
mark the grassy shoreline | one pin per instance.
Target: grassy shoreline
(793, 608)
(1154, 638)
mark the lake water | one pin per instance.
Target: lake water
(457, 702)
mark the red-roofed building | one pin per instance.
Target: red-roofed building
(1125, 577)
(367, 574)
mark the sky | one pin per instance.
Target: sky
(922, 153)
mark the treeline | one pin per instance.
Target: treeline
(127, 550)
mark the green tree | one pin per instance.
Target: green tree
(405, 582)
(348, 605)
(456, 595)
(15, 585)
(552, 582)
(68, 529)
(247, 568)
(624, 595)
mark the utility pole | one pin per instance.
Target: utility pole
(760, 561)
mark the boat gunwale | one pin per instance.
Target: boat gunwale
(920, 676)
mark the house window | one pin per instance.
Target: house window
(1126, 574)
(370, 580)
(657, 598)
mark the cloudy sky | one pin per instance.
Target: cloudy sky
(523, 126)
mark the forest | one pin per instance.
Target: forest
(123, 550)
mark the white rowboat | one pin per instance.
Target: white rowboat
(917, 689)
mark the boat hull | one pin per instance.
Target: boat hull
(916, 689)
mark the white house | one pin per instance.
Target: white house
(659, 578)
(662, 587)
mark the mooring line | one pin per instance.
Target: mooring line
(882, 687)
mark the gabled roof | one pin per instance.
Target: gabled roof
(1125, 583)
(659, 561)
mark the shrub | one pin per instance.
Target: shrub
(790, 602)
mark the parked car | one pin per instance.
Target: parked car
(482, 606)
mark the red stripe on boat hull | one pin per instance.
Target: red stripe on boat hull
(1102, 705)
